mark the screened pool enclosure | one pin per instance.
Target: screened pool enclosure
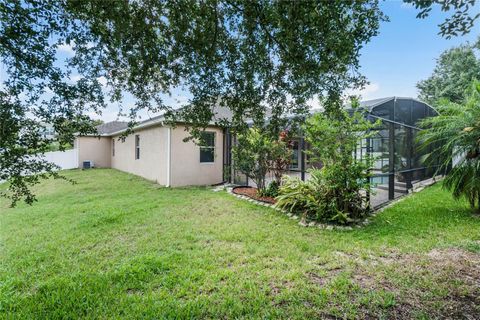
(398, 159)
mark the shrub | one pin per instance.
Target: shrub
(323, 197)
(257, 152)
(280, 156)
(336, 192)
(302, 197)
(250, 156)
(271, 190)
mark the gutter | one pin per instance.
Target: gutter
(143, 125)
(147, 123)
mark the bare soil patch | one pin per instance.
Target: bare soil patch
(252, 193)
(444, 283)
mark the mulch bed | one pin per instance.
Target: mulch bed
(252, 193)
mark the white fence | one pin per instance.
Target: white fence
(67, 159)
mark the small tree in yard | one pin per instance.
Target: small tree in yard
(281, 156)
(257, 152)
(250, 156)
(336, 192)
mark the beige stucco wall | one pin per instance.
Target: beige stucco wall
(155, 158)
(94, 149)
(152, 164)
(186, 168)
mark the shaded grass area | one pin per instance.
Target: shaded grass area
(117, 246)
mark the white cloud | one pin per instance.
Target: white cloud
(406, 5)
(179, 101)
(66, 48)
(369, 92)
(314, 103)
(107, 115)
(102, 80)
(75, 78)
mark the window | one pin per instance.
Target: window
(295, 146)
(137, 147)
(207, 148)
(113, 147)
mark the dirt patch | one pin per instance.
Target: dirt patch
(367, 281)
(459, 264)
(444, 283)
(134, 291)
(322, 280)
(276, 288)
(252, 193)
(455, 255)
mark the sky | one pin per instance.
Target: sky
(405, 51)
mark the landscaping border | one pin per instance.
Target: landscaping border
(296, 217)
(357, 224)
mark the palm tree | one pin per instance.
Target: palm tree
(454, 139)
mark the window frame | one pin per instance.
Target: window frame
(137, 147)
(296, 154)
(213, 147)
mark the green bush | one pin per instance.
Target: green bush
(323, 197)
(336, 192)
(271, 190)
(250, 156)
(257, 152)
(302, 197)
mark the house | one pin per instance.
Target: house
(156, 151)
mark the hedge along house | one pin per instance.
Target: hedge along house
(398, 164)
(156, 151)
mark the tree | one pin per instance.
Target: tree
(460, 22)
(281, 156)
(251, 156)
(37, 90)
(258, 151)
(455, 135)
(455, 70)
(337, 191)
(253, 54)
(333, 143)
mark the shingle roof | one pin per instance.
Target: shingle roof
(110, 127)
(219, 113)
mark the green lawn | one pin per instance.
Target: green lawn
(116, 246)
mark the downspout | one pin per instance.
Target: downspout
(169, 151)
(224, 145)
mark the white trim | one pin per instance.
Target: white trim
(143, 125)
(76, 145)
(169, 147)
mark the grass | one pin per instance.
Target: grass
(116, 246)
